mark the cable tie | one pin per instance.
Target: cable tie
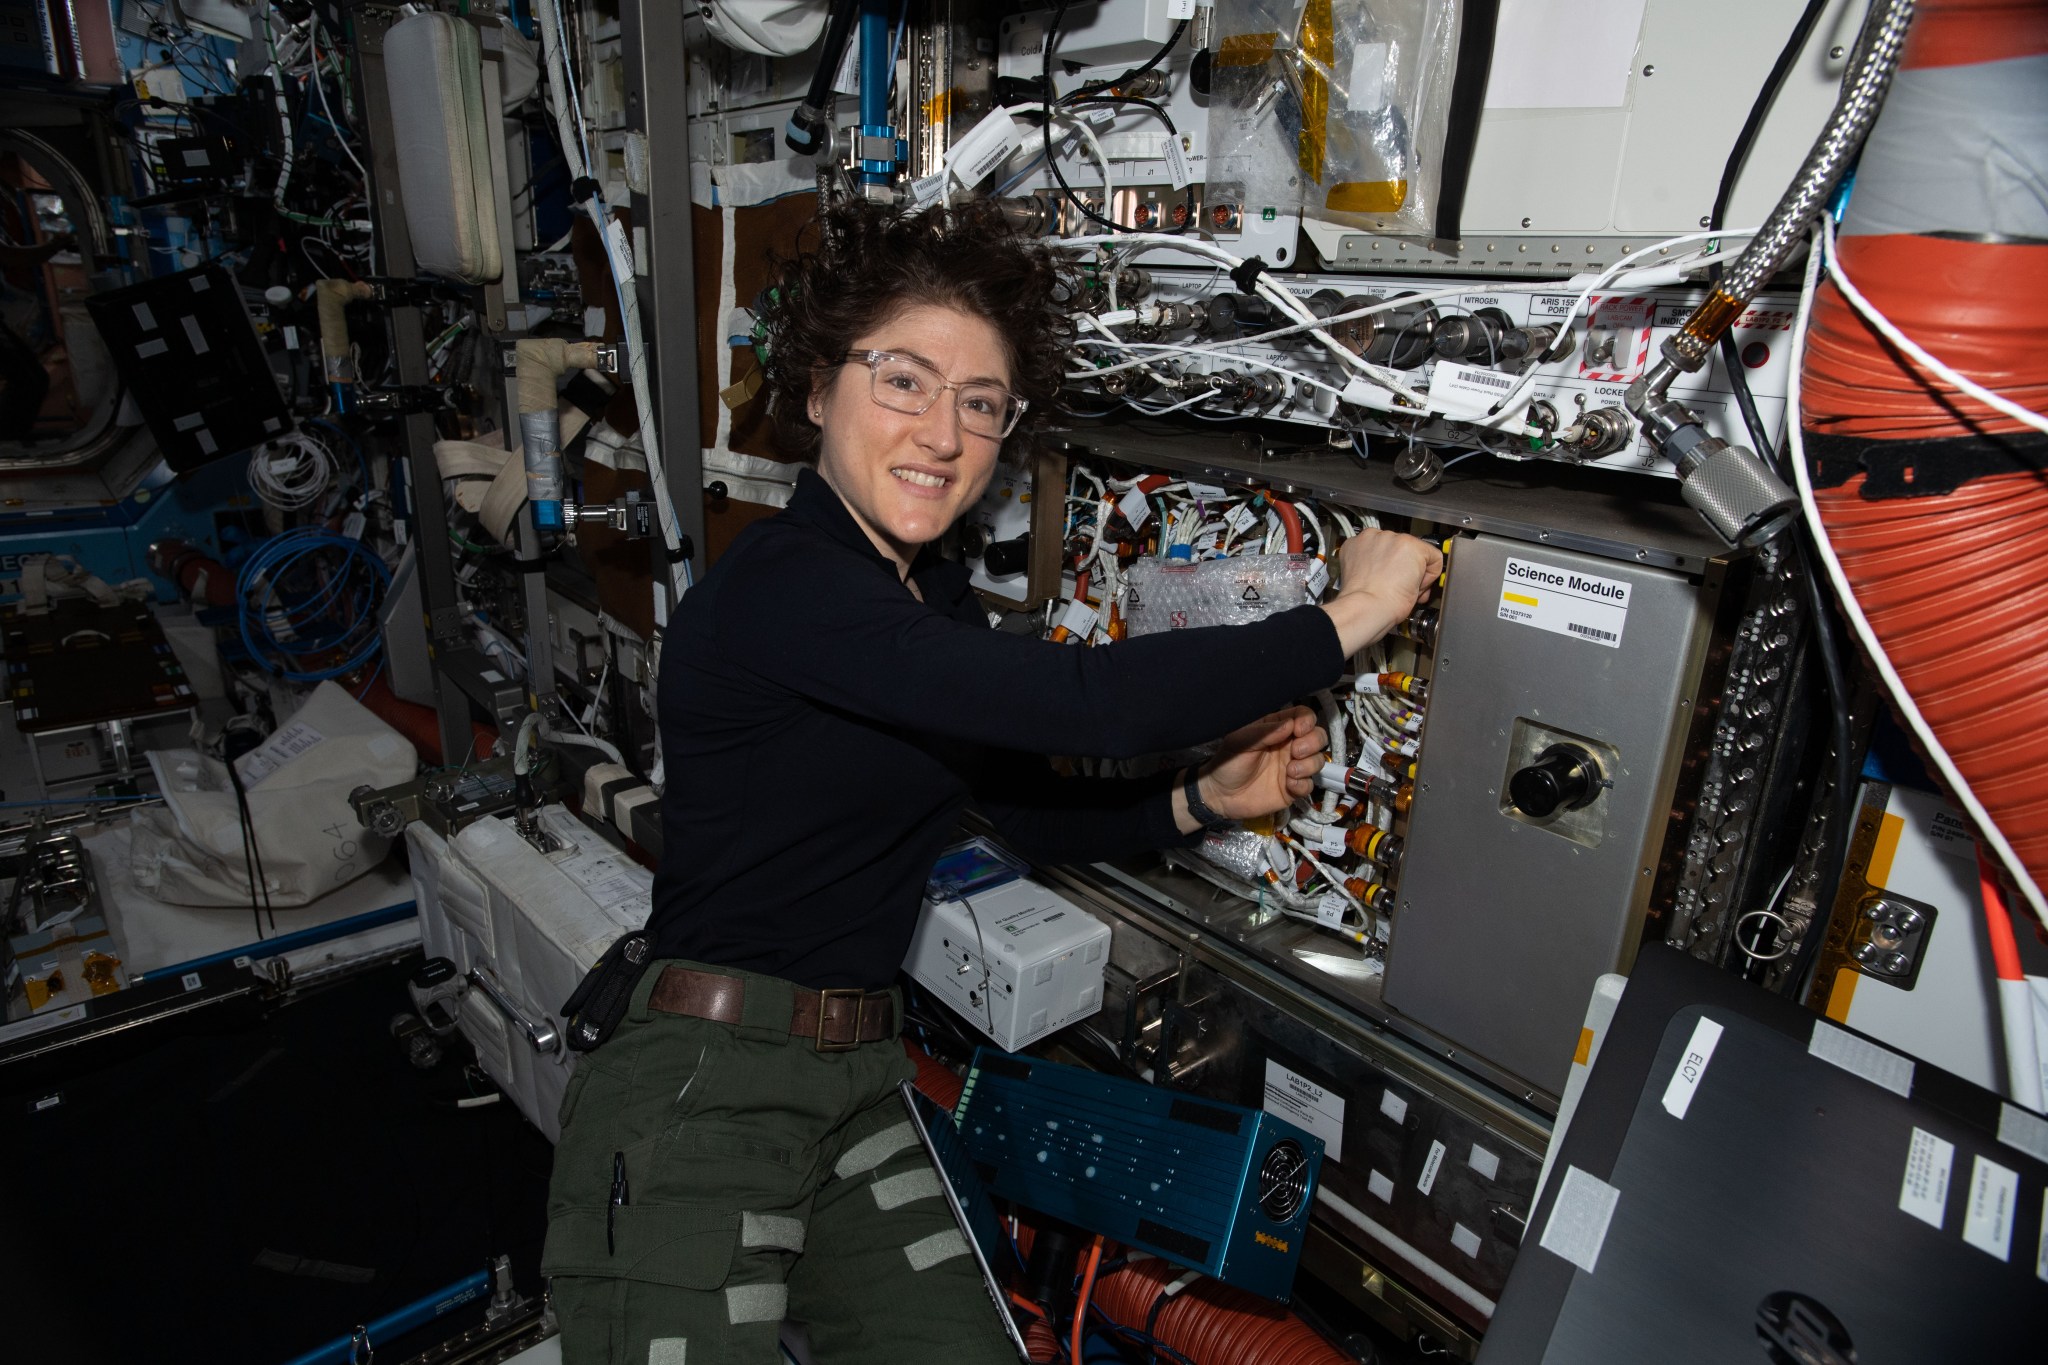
(1246, 276)
(582, 188)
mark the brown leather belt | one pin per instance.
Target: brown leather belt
(833, 1020)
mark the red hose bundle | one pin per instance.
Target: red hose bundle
(1933, 503)
(934, 1081)
(1211, 1323)
(1954, 588)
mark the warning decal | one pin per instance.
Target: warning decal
(1564, 601)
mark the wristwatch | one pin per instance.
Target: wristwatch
(1203, 816)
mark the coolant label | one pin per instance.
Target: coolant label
(1306, 1105)
(1564, 601)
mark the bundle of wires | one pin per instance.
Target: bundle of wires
(310, 602)
(291, 471)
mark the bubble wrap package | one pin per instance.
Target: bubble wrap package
(1236, 591)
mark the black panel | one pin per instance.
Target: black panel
(1206, 1116)
(1015, 1068)
(188, 353)
(1173, 1241)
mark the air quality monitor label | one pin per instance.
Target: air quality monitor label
(1564, 601)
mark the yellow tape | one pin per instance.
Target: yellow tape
(1367, 196)
(939, 107)
(1246, 49)
(1318, 50)
(1517, 597)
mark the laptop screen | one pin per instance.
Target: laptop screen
(972, 1209)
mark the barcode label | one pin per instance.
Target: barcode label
(277, 751)
(1589, 632)
(1466, 390)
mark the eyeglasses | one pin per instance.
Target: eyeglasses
(905, 385)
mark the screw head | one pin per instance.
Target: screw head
(1650, 69)
(1837, 52)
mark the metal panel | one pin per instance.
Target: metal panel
(408, 340)
(1546, 503)
(1503, 925)
(657, 110)
(1191, 1011)
(1553, 189)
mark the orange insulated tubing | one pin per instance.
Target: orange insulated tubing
(1937, 505)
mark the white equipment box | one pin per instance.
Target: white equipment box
(523, 927)
(1012, 957)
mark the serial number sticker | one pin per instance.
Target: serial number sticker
(1564, 601)
(1307, 1105)
(1467, 390)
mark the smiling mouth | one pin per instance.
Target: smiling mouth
(919, 479)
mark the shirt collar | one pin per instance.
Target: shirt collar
(816, 503)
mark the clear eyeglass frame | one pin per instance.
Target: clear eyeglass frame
(996, 420)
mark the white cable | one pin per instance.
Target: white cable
(619, 255)
(1883, 324)
(320, 89)
(291, 471)
(1845, 596)
(1511, 405)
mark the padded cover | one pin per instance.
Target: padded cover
(433, 66)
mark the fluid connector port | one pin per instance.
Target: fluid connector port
(1605, 432)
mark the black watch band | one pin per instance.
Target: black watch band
(1203, 816)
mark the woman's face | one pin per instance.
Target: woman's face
(906, 478)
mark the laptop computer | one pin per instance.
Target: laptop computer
(972, 1209)
(1745, 1181)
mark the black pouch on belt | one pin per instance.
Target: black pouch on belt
(599, 1001)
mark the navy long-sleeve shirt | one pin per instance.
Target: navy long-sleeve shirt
(822, 729)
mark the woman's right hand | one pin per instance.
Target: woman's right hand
(1383, 576)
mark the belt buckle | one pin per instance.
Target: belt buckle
(825, 998)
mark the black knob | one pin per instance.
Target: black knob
(1007, 556)
(1563, 777)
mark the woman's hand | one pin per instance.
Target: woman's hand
(1385, 574)
(1261, 768)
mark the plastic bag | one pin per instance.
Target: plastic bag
(190, 850)
(1335, 109)
(1237, 591)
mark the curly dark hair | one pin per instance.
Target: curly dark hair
(860, 264)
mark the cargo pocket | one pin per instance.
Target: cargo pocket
(685, 1246)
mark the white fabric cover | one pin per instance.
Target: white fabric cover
(433, 68)
(536, 922)
(189, 850)
(773, 28)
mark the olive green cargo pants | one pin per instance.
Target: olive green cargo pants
(763, 1179)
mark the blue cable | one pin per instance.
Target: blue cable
(337, 612)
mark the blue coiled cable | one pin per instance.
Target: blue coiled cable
(311, 592)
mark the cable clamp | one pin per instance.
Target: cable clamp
(1246, 276)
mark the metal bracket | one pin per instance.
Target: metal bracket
(1889, 937)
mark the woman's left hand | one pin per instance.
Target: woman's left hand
(1265, 766)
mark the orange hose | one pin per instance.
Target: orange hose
(1970, 303)
(1954, 590)
(1290, 519)
(1081, 1304)
(935, 1081)
(1211, 1323)
(2005, 949)
(1952, 582)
